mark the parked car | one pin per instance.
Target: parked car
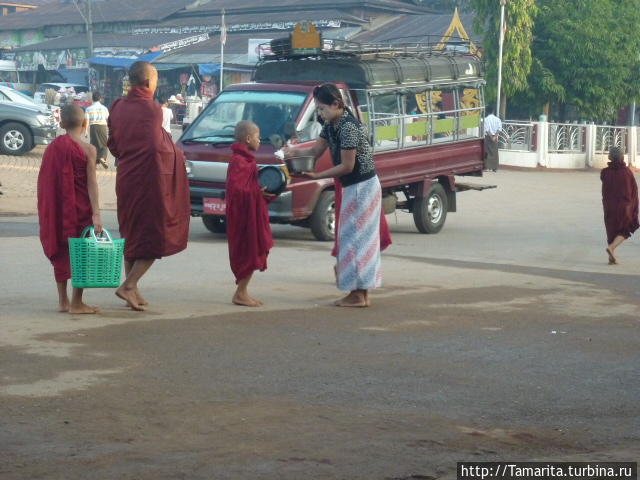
(40, 95)
(423, 109)
(22, 127)
(11, 95)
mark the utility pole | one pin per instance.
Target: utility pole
(500, 44)
(84, 7)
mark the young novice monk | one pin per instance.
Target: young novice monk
(248, 229)
(67, 201)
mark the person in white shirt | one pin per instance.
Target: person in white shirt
(492, 125)
(167, 114)
(97, 115)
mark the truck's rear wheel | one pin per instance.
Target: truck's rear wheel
(215, 223)
(430, 212)
(323, 218)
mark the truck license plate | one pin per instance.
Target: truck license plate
(214, 206)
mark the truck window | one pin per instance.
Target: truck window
(417, 122)
(386, 121)
(471, 112)
(271, 111)
(443, 107)
(309, 128)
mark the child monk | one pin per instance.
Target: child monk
(248, 229)
(620, 202)
(67, 201)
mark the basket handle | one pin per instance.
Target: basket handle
(101, 238)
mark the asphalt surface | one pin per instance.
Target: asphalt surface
(505, 337)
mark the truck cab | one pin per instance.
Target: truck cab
(423, 109)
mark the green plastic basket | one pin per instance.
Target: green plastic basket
(96, 262)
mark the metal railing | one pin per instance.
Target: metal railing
(567, 138)
(607, 137)
(516, 136)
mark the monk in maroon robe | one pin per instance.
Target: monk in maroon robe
(248, 229)
(67, 201)
(620, 202)
(151, 183)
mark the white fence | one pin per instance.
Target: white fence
(565, 145)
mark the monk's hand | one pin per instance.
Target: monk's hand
(267, 195)
(97, 223)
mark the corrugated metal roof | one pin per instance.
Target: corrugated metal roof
(65, 13)
(249, 21)
(415, 28)
(235, 50)
(232, 6)
(106, 40)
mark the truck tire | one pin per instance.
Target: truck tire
(323, 218)
(215, 223)
(430, 212)
(15, 139)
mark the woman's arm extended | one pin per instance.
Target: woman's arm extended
(316, 150)
(347, 163)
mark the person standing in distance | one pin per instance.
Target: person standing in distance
(492, 125)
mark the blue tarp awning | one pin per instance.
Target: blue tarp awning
(208, 68)
(123, 62)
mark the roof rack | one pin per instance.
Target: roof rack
(280, 49)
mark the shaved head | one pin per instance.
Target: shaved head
(71, 116)
(244, 129)
(143, 74)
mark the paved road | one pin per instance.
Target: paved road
(504, 337)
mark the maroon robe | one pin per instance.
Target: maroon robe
(154, 207)
(248, 229)
(385, 232)
(620, 200)
(64, 208)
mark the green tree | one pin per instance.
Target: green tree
(517, 58)
(587, 53)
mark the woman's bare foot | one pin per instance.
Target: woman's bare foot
(63, 307)
(356, 300)
(259, 302)
(244, 300)
(129, 296)
(366, 299)
(141, 300)
(82, 309)
(612, 258)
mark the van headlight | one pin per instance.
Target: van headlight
(45, 120)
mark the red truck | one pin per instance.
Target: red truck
(423, 107)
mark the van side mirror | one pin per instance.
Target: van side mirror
(185, 126)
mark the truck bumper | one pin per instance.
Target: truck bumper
(44, 135)
(280, 210)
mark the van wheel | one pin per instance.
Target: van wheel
(430, 212)
(323, 218)
(15, 139)
(215, 223)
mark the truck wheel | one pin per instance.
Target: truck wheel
(15, 139)
(323, 218)
(215, 223)
(430, 212)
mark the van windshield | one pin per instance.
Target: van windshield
(271, 111)
(8, 76)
